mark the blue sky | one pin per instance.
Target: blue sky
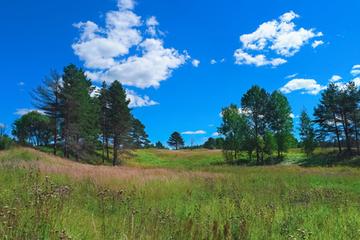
(164, 52)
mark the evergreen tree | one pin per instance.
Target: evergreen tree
(159, 145)
(138, 135)
(210, 144)
(104, 120)
(47, 98)
(307, 133)
(176, 140)
(328, 116)
(119, 117)
(79, 112)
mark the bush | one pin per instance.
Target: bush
(5, 142)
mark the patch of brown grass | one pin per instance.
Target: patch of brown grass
(48, 164)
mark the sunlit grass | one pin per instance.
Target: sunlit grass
(275, 202)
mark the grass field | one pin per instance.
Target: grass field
(175, 195)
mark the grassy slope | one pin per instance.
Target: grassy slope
(281, 202)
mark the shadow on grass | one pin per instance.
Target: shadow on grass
(330, 159)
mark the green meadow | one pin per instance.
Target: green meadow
(161, 194)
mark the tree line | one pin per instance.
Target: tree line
(336, 118)
(260, 126)
(79, 120)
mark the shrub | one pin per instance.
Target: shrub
(5, 142)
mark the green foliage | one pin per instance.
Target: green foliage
(5, 142)
(33, 128)
(138, 136)
(176, 140)
(280, 121)
(236, 131)
(79, 112)
(263, 124)
(269, 143)
(159, 145)
(214, 143)
(119, 117)
(307, 133)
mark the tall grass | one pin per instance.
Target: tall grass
(241, 203)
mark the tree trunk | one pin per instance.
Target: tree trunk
(107, 149)
(55, 136)
(115, 149)
(356, 134)
(103, 149)
(346, 131)
(337, 133)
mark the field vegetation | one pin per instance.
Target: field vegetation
(158, 194)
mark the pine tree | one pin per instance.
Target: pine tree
(328, 116)
(104, 120)
(307, 133)
(119, 117)
(138, 135)
(159, 145)
(176, 140)
(79, 112)
(47, 98)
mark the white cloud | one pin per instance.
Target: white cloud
(280, 37)
(139, 101)
(356, 81)
(215, 134)
(126, 4)
(306, 86)
(335, 78)
(291, 76)
(195, 63)
(293, 116)
(198, 132)
(24, 111)
(317, 43)
(152, 24)
(213, 61)
(21, 84)
(355, 71)
(242, 57)
(121, 51)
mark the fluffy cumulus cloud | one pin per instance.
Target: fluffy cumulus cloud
(317, 43)
(127, 48)
(306, 86)
(139, 101)
(198, 132)
(195, 63)
(335, 78)
(280, 37)
(355, 71)
(259, 60)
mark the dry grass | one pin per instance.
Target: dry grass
(48, 164)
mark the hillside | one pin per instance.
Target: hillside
(46, 197)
